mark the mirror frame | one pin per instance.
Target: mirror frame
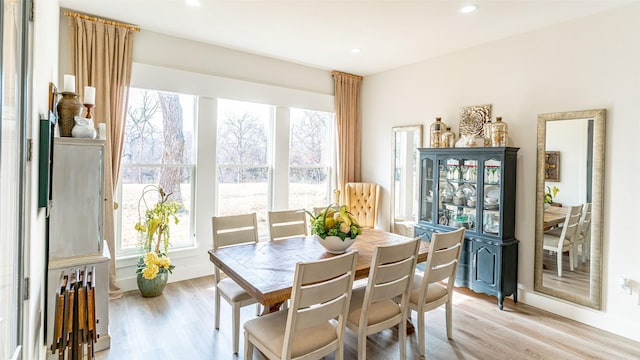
(594, 300)
(392, 191)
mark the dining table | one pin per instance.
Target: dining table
(266, 269)
(554, 216)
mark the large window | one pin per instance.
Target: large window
(243, 159)
(159, 145)
(310, 153)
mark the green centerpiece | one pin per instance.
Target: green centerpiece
(335, 229)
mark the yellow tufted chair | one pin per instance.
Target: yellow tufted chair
(362, 200)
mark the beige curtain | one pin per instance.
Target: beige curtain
(101, 56)
(347, 105)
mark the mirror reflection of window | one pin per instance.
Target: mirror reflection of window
(404, 187)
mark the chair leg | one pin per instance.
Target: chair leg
(340, 349)
(248, 347)
(403, 337)
(257, 309)
(236, 327)
(559, 260)
(362, 345)
(421, 330)
(216, 312)
(572, 255)
(449, 315)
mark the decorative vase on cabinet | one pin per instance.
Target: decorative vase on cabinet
(474, 188)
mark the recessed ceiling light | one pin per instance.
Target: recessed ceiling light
(192, 2)
(355, 50)
(468, 8)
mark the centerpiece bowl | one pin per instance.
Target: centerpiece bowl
(335, 228)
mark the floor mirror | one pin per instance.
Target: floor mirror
(569, 206)
(404, 179)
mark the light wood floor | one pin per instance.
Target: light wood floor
(179, 325)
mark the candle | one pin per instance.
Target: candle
(89, 95)
(69, 84)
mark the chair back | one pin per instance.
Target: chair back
(234, 230)
(362, 200)
(392, 269)
(584, 227)
(570, 226)
(442, 262)
(287, 224)
(321, 292)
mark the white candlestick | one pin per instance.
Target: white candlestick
(69, 84)
(89, 95)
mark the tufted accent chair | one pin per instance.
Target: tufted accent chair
(362, 200)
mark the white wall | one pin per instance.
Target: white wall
(45, 70)
(584, 64)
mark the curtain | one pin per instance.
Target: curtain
(101, 56)
(347, 106)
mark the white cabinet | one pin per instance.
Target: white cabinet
(76, 225)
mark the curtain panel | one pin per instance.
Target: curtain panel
(101, 56)
(347, 107)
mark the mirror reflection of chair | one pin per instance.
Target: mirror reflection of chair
(230, 231)
(287, 224)
(583, 239)
(321, 292)
(362, 200)
(427, 293)
(374, 308)
(566, 241)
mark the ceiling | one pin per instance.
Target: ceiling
(321, 34)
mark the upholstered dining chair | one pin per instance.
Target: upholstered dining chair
(427, 291)
(287, 224)
(307, 330)
(374, 308)
(230, 231)
(362, 200)
(566, 240)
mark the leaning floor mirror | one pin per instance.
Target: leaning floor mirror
(404, 178)
(569, 206)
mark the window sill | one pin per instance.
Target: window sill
(132, 260)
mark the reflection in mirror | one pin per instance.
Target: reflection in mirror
(404, 178)
(570, 173)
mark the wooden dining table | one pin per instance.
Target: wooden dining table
(266, 269)
(554, 215)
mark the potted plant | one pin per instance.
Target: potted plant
(336, 230)
(154, 264)
(549, 195)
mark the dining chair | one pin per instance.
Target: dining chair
(427, 291)
(375, 307)
(287, 224)
(583, 238)
(321, 292)
(566, 240)
(362, 200)
(231, 231)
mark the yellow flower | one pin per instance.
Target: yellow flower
(164, 262)
(150, 271)
(151, 258)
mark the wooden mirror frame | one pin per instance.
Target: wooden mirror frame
(416, 129)
(594, 300)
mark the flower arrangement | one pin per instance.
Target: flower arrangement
(332, 222)
(153, 229)
(550, 194)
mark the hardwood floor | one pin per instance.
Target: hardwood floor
(576, 281)
(179, 325)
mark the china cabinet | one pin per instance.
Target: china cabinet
(474, 188)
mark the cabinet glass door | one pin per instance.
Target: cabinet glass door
(457, 201)
(426, 208)
(491, 201)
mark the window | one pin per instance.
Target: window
(243, 159)
(158, 149)
(310, 147)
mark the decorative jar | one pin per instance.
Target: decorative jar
(68, 108)
(436, 130)
(499, 133)
(447, 139)
(152, 287)
(84, 128)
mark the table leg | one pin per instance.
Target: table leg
(268, 309)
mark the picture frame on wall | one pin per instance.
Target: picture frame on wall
(552, 166)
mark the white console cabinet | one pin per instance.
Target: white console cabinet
(76, 225)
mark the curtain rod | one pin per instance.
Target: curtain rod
(339, 73)
(104, 21)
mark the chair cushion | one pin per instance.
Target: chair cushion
(269, 331)
(232, 290)
(378, 312)
(434, 291)
(551, 242)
